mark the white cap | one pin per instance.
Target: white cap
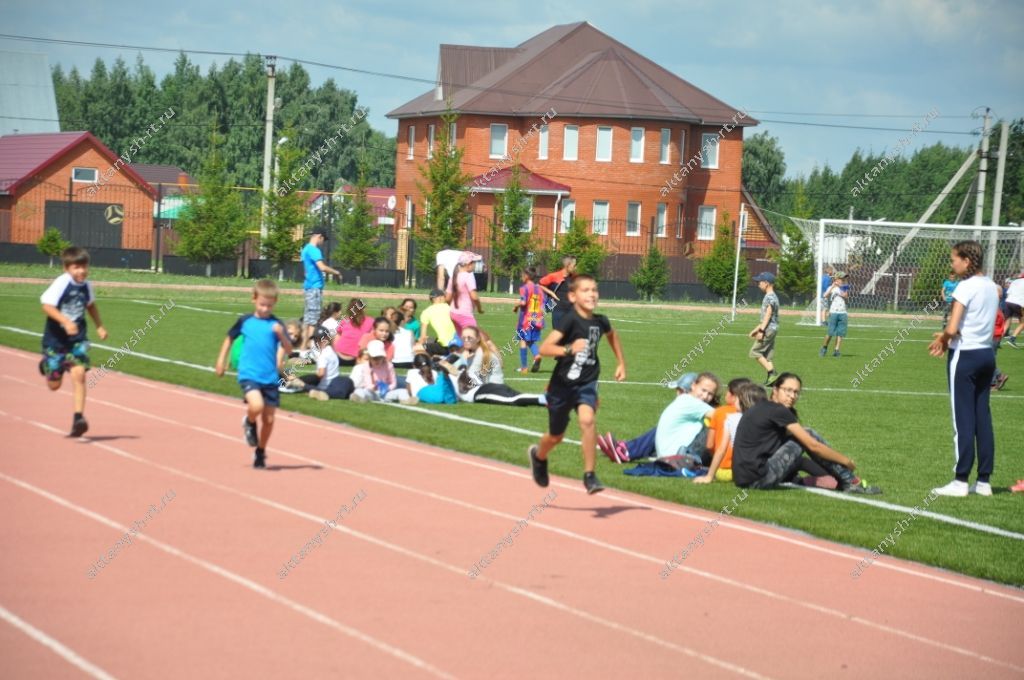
(375, 348)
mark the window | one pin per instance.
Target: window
(90, 175)
(411, 147)
(679, 221)
(660, 222)
(599, 224)
(604, 143)
(636, 145)
(682, 147)
(568, 212)
(499, 140)
(705, 223)
(408, 212)
(632, 219)
(430, 141)
(542, 146)
(452, 137)
(709, 151)
(666, 143)
(571, 143)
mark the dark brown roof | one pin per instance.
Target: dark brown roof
(574, 69)
(162, 174)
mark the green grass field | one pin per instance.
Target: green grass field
(896, 425)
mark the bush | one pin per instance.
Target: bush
(651, 277)
(589, 252)
(716, 269)
(52, 243)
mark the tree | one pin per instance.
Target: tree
(445, 188)
(582, 245)
(286, 215)
(360, 238)
(716, 269)
(796, 263)
(932, 273)
(52, 243)
(514, 239)
(651, 277)
(764, 166)
(213, 221)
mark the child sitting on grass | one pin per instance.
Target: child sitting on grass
(724, 422)
(377, 380)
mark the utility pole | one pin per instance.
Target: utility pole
(979, 206)
(268, 142)
(997, 200)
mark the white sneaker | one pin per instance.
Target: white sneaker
(954, 488)
(981, 488)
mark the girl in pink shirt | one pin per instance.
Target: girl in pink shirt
(351, 328)
(381, 330)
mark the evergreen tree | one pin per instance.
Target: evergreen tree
(52, 243)
(514, 239)
(797, 276)
(582, 245)
(445, 188)
(360, 238)
(927, 285)
(213, 221)
(764, 167)
(651, 278)
(286, 216)
(716, 269)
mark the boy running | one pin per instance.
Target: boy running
(65, 344)
(258, 370)
(573, 342)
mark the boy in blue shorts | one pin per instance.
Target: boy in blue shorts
(65, 344)
(258, 365)
(573, 386)
(835, 302)
(531, 318)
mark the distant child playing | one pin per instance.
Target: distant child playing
(258, 366)
(835, 301)
(65, 344)
(531, 318)
(764, 333)
(573, 385)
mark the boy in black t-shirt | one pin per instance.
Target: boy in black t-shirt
(573, 386)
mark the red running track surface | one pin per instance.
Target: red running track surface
(202, 590)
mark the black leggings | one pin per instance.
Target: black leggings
(495, 393)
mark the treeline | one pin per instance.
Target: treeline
(117, 104)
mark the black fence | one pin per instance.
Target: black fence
(173, 264)
(27, 253)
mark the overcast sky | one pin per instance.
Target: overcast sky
(793, 60)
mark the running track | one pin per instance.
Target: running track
(387, 594)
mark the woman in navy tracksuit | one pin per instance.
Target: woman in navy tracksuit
(970, 365)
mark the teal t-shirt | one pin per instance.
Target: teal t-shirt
(680, 422)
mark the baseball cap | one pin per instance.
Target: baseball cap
(684, 383)
(375, 348)
(437, 292)
(767, 277)
(840, 274)
(320, 231)
(468, 256)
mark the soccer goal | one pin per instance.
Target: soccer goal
(900, 266)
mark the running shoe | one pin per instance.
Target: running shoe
(861, 487)
(1011, 340)
(79, 426)
(249, 429)
(536, 365)
(259, 458)
(538, 466)
(982, 488)
(955, 488)
(591, 483)
(823, 351)
(836, 353)
(1000, 381)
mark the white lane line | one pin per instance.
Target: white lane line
(611, 547)
(53, 645)
(319, 521)
(246, 583)
(195, 309)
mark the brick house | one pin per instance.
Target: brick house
(598, 131)
(73, 182)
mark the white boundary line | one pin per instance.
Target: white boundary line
(246, 583)
(54, 645)
(195, 309)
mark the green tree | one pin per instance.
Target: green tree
(514, 239)
(213, 222)
(445, 188)
(651, 278)
(930, 275)
(360, 238)
(716, 269)
(582, 245)
(764, 167)
(52, 243)
(796, 263)
(286, 216)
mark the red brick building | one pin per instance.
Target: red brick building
(599, 131)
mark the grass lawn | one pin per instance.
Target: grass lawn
(896, 425)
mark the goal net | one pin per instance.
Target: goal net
(900, 266)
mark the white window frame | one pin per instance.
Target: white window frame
(633, 157)
(576, 143)
(662, 216)
(682, 147)
(568, 206)
(409, 217)
(666, 146)
(430, 141)
(597, 145)
(94, 171)
(709, 163)
(703, 225)
(504, 141)
(410, 152)
(542, 144)
(680, 213)
(593, 220)
(633, 228)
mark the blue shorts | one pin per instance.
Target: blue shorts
(562, 401)
(532, 335)
(271, 395)
(837, 325)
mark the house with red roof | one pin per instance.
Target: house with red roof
(598, 131)
(71, 181)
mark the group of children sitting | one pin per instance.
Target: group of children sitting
(754, 440)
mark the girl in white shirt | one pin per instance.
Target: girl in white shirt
(970, 365)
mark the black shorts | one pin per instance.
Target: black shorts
(563, 400)
(1013, 311)
(271, 394)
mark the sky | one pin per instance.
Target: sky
(801, 67)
